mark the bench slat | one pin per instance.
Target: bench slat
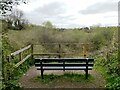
(63, 59)
(66, 68)
(61, 64)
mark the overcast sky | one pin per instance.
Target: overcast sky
(72, 13)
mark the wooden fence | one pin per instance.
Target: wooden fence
(60, 46)
(32, 54)
(20, 54)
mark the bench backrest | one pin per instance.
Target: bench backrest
(73, 63)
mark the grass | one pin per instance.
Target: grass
(66, 77)
(102, 70)
(112, 79)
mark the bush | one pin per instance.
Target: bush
(97, 41)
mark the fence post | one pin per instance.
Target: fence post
(84, 51)
(20, 56)
(8, 69)
(59, 50)
(32, 51)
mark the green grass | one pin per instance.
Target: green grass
(66, 77)
(0, 85)
(112, 81)
(102, 70)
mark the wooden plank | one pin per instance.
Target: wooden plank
(20, 56)
(46, 54)
(32, 51)
(54, 53)
(19, 63)
(61, 64)
(61, 59)
(21, 50)
(66, 68)
(64, 43)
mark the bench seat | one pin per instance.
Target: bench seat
(66, 68)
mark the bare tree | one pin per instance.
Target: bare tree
(7, 5)
(16, 20)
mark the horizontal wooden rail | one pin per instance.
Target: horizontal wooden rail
(65, 43)
(19, 63)
(61, 64)
(62, 59)
(21, 50)
(42, 54)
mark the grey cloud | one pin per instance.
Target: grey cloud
(53, 12)
(101, 7)
(62, 19)
(51, 9)
(73, 25)
(57, 19)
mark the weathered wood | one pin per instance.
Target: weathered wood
(46, 54)
(21, 50)
(61, 59)
(22, 61)
(63, 43)
(20, 56)
(59, 45)
(53, 54)
(32, 52)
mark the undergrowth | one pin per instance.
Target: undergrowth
(110, 70)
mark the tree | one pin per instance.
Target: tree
(7, 5)
(17, 16)
(48, 24)
(16, 20)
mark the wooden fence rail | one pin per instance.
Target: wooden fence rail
(21, 58)
(21, 50)
(59, 53)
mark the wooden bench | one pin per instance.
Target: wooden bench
(64, 64)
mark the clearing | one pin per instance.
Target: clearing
(29, 80)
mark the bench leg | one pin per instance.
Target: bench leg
(42, 74)
(86, 74)
(64, 69)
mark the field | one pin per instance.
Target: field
(100, 40)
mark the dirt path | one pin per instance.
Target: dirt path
(27, 82)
